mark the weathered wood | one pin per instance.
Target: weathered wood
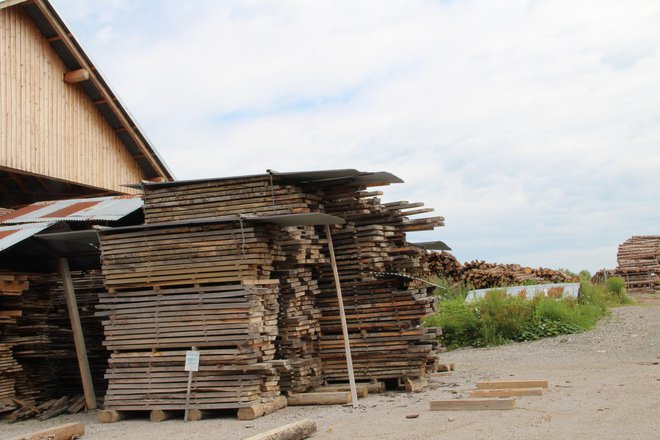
(362, 390)
(262, 409)
(293, 431)
(159, 415)
(67, 431)
(507, 392)
(415, 385)
(472, 404)
(333, 398)
(500, 384)
(81, 350)
(110, 416)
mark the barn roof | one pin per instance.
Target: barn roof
(97, 89)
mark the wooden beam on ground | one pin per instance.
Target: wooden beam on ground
(362, 390)
(446, 367)
(499, 384)
(506, 392)
(472, 404)
(293, 431)
(110, 416)
(78, 338)
(334, 398)
(342, 315)
(259, 410)
(76, 76)
(61, 432)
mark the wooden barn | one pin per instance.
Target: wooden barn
(63, 131)
(64, 135)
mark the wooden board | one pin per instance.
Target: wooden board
(472, 404)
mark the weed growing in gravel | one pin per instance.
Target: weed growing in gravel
(499, 318)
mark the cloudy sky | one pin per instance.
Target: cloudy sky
(532, 126)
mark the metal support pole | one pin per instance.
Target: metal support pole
(342, 315)
(79, 340)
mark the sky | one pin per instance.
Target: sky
(532, 126)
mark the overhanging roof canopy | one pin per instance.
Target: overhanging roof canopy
(320, 177)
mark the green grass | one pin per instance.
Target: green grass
(499, 318)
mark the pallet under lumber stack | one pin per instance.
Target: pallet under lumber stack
(171, 288)
(638, 260)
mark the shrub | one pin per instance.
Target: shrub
(499, 318)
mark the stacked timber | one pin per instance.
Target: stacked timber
(482, 275)
(638, 260)
(171, 288)
(262, 195)
(297, 344)
(384, 315)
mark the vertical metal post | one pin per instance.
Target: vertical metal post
(342, 315)
(79, 340)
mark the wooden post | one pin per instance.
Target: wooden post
(81, 350)
(342, 315)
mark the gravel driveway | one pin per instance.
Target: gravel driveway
(604, 384)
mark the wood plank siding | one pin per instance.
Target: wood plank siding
(49, 127)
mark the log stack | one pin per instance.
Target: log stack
(482, 275)
(638, 263)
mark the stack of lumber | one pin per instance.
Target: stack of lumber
(171, 288)
(384, 316)
(298, 360)
(12, 286)
(638, 260)
(263, 195)
(87, 286)
(31, 342)
(482, 275)
(8, 368)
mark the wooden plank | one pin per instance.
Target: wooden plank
(81, 350)
(362, 390)
(506, 392)
(500, 384)
(61, 432)
(472, 404)
(334, 398)
(293, 431)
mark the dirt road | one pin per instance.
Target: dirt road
(604, 384)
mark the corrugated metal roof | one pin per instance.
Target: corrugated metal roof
(11, 235)
(92, 209)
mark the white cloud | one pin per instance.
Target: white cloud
(532, 126)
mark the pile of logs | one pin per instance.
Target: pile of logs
(638, 260)
(482, 275)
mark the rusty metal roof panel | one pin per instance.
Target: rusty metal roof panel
(11, 235)
(91, 209)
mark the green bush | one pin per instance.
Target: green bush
(499, 318)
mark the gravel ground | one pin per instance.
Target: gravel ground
(604, 384)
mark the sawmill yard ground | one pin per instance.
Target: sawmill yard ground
(604, 384)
